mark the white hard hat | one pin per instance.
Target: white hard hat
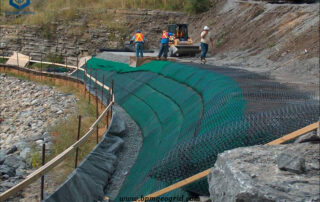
(206, 28)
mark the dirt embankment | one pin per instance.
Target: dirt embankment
(279, 39)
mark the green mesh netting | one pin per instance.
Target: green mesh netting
(188, 115)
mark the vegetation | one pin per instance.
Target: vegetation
(46, 12)
(271, 44)
(197, 6)
(52, 57)
(47, 67)
(221, 39)
(3, 60)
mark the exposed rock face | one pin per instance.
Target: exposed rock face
(27, 110)
(253, 174)
(81, 37)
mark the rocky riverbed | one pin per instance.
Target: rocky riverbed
(27, 110)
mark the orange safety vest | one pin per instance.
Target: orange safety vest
(179, 34)
(165, 35)
(139, 37)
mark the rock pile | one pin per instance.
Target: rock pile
(26, 111)
(287, 172)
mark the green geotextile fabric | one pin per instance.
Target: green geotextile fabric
(189, 115)
(155, 66)
(173, 105)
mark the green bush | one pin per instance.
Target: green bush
(3, 60)
(197, 6)
(53, 57)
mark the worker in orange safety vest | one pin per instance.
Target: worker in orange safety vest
(139, 40)
(164, 44)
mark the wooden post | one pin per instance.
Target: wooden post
(102, 91)
(41, 63)
(17, 58)
(42, 177)
(97, 116)
(108, 102)
(41, 66)
(84, 82)
(29, 65)
(77, 62)
(90, 86)
(97, 110)
(78, 137)
(77, 72)
(111, 96)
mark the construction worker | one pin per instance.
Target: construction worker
(205, 39)
(138, 39)
(164, 44)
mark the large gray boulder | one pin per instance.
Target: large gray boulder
(6, 170)
(14, 161)
(253, 174)
(309, 137)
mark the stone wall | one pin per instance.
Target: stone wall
(24, 125)
(82, 37)
(30, 40)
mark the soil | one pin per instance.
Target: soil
(281, 40)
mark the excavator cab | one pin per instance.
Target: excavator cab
(180, 31)
(181, 44)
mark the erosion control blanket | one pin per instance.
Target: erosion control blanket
(87, 182)
(189, 114)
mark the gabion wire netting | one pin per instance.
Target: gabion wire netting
(188, 115)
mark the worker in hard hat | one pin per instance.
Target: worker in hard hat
(164, 44)
(205, 39)
(139, 40)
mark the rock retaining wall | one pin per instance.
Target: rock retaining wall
(26, 111)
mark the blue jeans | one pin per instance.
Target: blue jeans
(164, 47)
(139, 49)
(204, 50)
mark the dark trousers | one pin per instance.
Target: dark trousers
(164, 47)
(204, 50)
(139, 49)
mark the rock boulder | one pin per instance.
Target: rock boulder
(253, 174)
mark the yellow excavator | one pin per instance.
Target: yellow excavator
(181, 44)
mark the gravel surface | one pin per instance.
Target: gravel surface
(127, 156)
